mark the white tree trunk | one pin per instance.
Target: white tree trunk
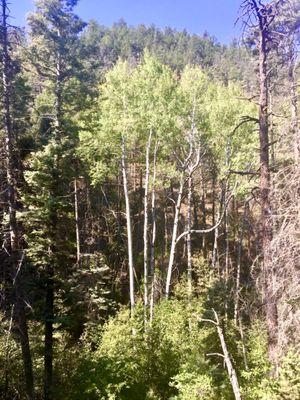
(189, 240)
(238, 269)
(230, 369)
(174, 235)
(77, 221)
(129, 228)
(214, 261)
(229, 366)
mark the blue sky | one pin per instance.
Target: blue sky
(215, 16)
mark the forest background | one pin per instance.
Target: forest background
(149, 208)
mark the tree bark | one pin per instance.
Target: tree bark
(238, 266)
(265, 182)
(203, 209)
(48, 340)
(174, 235)
(188, 237)
(153, 238)
(19, 314)
(215, 257)
(77, 221)
(129, 228)
(229, 365)
(230, 369)
(294, 102)
(146, 227)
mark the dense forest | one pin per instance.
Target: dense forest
(149, 208)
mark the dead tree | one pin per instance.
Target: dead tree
(230, 368)
(259, 17)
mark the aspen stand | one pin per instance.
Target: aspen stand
(186, 167)
(199, 231)
(129, 228)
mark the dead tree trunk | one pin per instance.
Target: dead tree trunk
(264, 16)
(294, 102)
(265, 203)
(230, 369)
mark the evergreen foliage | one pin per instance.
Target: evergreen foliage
(133, 160)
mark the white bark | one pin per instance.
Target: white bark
(189, 240)
(207, 230)
(214, 261)
(192, 169)
(230, 369)
(238, 269)
(77, 221)
(174, 235)
(185, 165)
(129, 228)
(229, 365)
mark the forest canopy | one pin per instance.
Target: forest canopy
(149, 208)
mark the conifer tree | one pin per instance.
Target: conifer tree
(54, 30)
(13, 241)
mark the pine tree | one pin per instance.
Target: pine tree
(54, 30)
